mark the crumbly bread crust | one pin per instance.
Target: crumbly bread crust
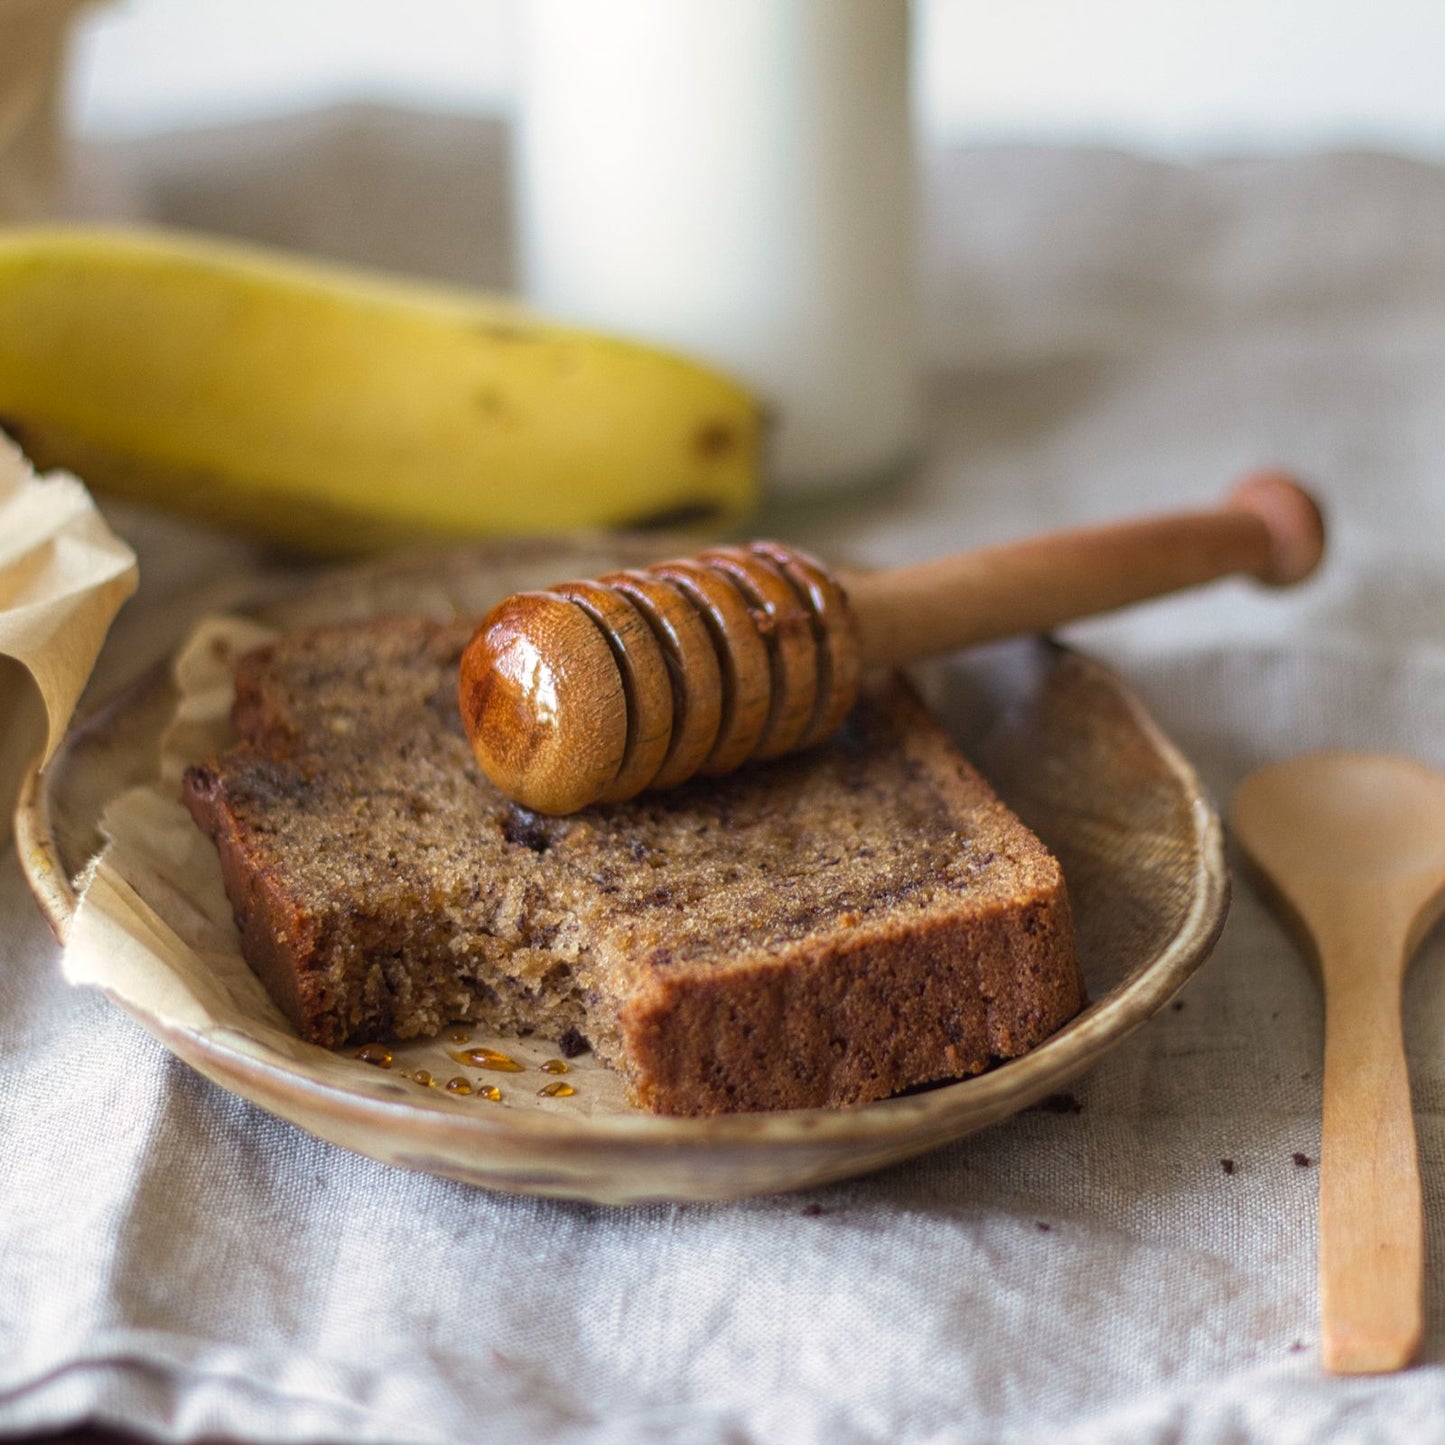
(823, 930)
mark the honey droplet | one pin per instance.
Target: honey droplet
(490, 1092)
(480, 1058)
(376, 1054)
(557, 1089)
(459, 1036)
(555, 1066)
(423, 1076)
(458, 1085)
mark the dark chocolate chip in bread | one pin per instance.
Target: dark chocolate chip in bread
(826, 929)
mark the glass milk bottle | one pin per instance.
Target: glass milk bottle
(734, 179)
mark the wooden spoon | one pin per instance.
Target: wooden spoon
(1352, 849)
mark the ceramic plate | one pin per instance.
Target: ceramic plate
(1060, 737)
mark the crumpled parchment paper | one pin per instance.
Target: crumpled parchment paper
(63, 577)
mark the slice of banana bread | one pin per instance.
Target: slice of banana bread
(823, 930)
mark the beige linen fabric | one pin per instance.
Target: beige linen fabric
(1107, 335)
(33, 38)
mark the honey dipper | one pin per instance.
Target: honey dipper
(589, 692)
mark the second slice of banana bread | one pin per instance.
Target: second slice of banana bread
(827, 929)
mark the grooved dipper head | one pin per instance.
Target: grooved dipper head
(543, 703)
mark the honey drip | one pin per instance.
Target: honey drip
(555, 1066)
(376, 1054)
(557, 1089)
(480, 1058)
(423, 1077)
(459, 1036)
(490, 1092)
(458, 1085)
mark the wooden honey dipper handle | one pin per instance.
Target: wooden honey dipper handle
(1269, 528)
(592, 691)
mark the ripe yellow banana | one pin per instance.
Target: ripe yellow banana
(340, 412)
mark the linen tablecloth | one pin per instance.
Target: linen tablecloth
(1106, 335)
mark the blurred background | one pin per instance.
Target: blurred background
(1184, 78)
(1098, 182)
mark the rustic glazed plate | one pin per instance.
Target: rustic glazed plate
(1060, 737)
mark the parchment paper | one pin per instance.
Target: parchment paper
(63, 577)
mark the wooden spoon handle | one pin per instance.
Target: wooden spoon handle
(1269, 527)
(1372, 1243)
